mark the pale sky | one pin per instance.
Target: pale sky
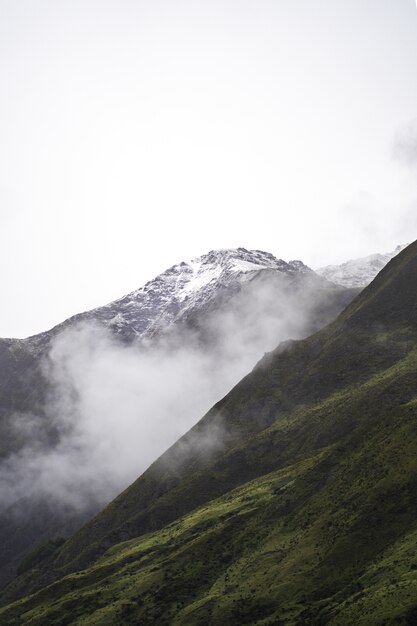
(134, 135)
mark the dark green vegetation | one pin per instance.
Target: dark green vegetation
(40, 554)
(292, 502)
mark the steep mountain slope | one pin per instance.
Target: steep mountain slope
(358, 272)
(291, 502)
(192, 306)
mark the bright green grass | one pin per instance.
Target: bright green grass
(137, 571)
(296, 546)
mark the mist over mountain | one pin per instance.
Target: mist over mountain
(89, 405)
(292, 501)
(358, 272)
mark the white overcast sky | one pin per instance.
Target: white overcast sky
(136, 134)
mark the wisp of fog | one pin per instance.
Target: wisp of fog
(115, 407)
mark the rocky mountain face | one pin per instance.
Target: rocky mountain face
(191, 287)
(292, 501)
(229, 306)
(358, 272)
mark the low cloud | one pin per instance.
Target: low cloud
(114, 408)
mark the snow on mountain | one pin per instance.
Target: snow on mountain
(188, 286)
(358, 272)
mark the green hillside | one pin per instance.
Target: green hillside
(293, 501)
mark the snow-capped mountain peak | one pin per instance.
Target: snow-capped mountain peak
(188, 277)
(189, 286)
(358, 272)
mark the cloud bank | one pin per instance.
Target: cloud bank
(115, 408)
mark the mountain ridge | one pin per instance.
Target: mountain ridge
(161, 300)
(358, 272)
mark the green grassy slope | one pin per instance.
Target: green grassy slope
(306, 514)
(331, 538)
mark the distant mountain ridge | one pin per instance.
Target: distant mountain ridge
(358, 273)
